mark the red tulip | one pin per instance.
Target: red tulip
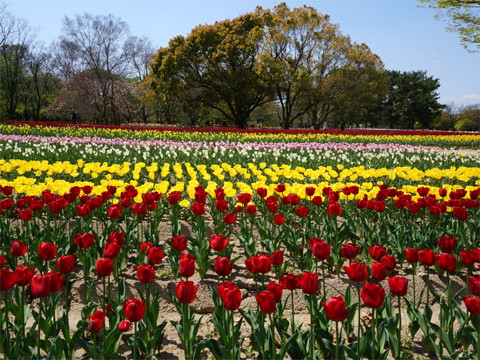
(467, 257)
(117, 237)
(24, 274)
(278, 219)
(134, 309)
(262, 192)
(277, 258)
(290, 281)
(229, 218)
(18, 248)
(174, 197)
(66, 263)
(6, 204)
(398, 285)
(317, 200)
(474, 284)
(389, 262)
(411, 255)
(378, 271)
(373, 295)
(218, 242)
(56, 280)
(186, 292)
(47, 251)
(223, 266)
(276, 290)
(250, 263)
(114, 211)
(25, 214)
(336, 309)
(40, 286)
(2, 261)
(140, 209)
(447, 262)
(309, 191)
(145, 273)
(144, 246)
(111, 250)
(7, 190)
(263, 263)
(104, 267)
(427, 257)
(309, 283)
(154, 255)
(84, 241)
(83, 211)
(447, 243)
(95, 323)
(334, 209)
(266, 301)
(356, 271)
(230, 295)
(251, 209)
(7, 279)
(124, 326)
(198, 208)
(377, 251)
(221, 205)
(302, 211)
(244, 198)
(187, 265)
(350, 251)
(473, 305)
(280, 188)
(319, 248)
(179, 243)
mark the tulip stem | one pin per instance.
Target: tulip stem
(323, 279)
(104, 305)
(337, 342)
(293, 312)
(312, 332)
(478, 342)
(413, 279)
(135, 341)
(373, 334)
(38, 326)
(399, 328)
(359, 316)
(272, 324)
(23, 311)
(428, 284)
(66, 302)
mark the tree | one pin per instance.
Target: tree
(469, 119)
(41, 84)
(96, 44)
(220, 59)
(412, 99)
(343, 71)
(463, 17)
(16, 39)
(292, 40)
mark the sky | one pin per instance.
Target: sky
(404, 35)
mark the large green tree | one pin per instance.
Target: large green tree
(463, 17)
(220, 59)
(412, 100)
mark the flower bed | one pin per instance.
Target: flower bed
(260, 238)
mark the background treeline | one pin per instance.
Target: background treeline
(275, 67)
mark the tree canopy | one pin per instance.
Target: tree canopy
(463, 17)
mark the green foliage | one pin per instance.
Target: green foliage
(412, 99)
(462, 17)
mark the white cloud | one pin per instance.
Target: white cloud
(469, 99)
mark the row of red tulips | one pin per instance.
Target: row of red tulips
(372, 132)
